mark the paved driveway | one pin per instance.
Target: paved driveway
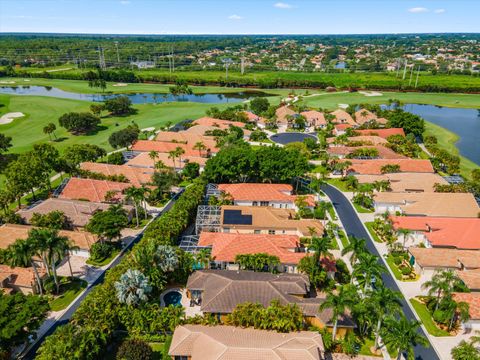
(354, 227)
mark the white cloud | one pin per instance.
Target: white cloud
(439, 11)
(235, 17)
(124, 2)
(282, 5)
(417, 10)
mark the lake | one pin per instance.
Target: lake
(136, 98)
(463, 122)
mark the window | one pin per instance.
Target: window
(226, 230)
(254, 203)
(263, 203)
(271, 232)
(180, 357)
(257, 232)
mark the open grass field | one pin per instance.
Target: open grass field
(447, 140)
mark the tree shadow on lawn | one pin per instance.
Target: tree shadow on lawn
(96, 130)
(60, 139)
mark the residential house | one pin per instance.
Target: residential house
(405, 181)
(167, 147)
(78, 212)
(199, 342)
(9, 233)
(19, 279)
(473, 301)
(342, 117)
(218, 123)
(185, 137)
(136, 176)
(93, 190)
(340, 129)
(283, 114)
(266, 220)
(218, 292)
(471, 279)
(374, 166)
(143, 160)
(384, 153)
(259, 194)
(441, 232)
(429, 260)
(383, 133)
(314, 118)
(427, 204)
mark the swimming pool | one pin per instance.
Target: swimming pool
(173, 298)
(289, 137)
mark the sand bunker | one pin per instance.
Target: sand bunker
(371, 93)
(343, 106)
(9, 117)
(7, 82)
(120, 84)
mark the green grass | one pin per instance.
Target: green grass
(361, 209)
(104, 261)
(331, 211)
(338, 184)
(395, 270)
(69, 291)
(365, 348)
(446, 140)
(426, 319)
(343, 238)
(369, 226)
(157, 349)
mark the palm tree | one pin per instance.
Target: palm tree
(339, 304)
(465, 351)
(134, 195)
(55, 246)
(154, 156)
(321, 247)
(402, 335)
(199, 145)
(442, 284)
(172, 155)
(20, 254)
(405, 233)
(351, 182)
(132, 288)
(66, 246)
(203, 257)
(355, 246)
(368, 268)
(385, 301)
(179, 152)
(166, 258)
(50, 129)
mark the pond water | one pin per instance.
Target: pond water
(289, 137)
(136, 98)
(173, 298)
(463, 122)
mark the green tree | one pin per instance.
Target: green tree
(367, 269)
(119, 105)
(259, 105)
(108, 224)
(338, 303)
(49, 129)
(79, 123)
(134, 349)
(55, 219)
(257, 262)
(386, 302)
(132, 288)
(5, 143)
(75, 154)
(125, 137)
(465, 351)
(442, 284)
(356, 247)
(191, 170)
(200, 146)
(401, 334)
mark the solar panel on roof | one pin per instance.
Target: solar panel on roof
(235, 217)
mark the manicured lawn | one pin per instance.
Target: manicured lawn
(69, 290)
(343, 238)
(394, 268)
(365, 348)
(361, 209)
(374, 235)
(446, 140)
(338, 184)
(426, 319)
(331, 211)
(104, 261)
(157, 349)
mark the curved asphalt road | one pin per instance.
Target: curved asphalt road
(354, 227)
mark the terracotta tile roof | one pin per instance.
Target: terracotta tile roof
(374, 140)
(383, 133)
(222, 124)
(233, 343)
(254, 117)
(92, 190)
(406, 182)
(445, 258)
(374, 166)
(79, 212)
(473, 300)
(342, 126)
(432, 204)
(282, 114)
(18, 276)
(461, 233)
(314, 117)
(185, 137)
(226, 246)
(136, 176)
(364, 116)
(165, 147)
(9, 233)
(143, 160)
(262, 192)
(471, 278)
(383, 152)
(264, 217)
(199, 129)
(343, 117)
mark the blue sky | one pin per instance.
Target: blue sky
(239, 16)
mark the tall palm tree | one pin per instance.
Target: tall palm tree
(385, 302)
(355, 246)
(203, 257)
(179, 152)
(402, 335)
(442, 283)
(154, 156)
(339, 303)
(368, 268)
(321, 247)
(405, 234)
(55, 246)
(20, 254)
(172, 155)
(199, 145)
(134, 195)
(66, 246)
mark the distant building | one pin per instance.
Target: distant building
(143, 64)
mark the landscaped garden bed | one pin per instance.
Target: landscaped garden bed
(401, 268)
(425, 316)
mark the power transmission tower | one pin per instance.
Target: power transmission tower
(101, 61)
(118, 55)
(227, 63)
